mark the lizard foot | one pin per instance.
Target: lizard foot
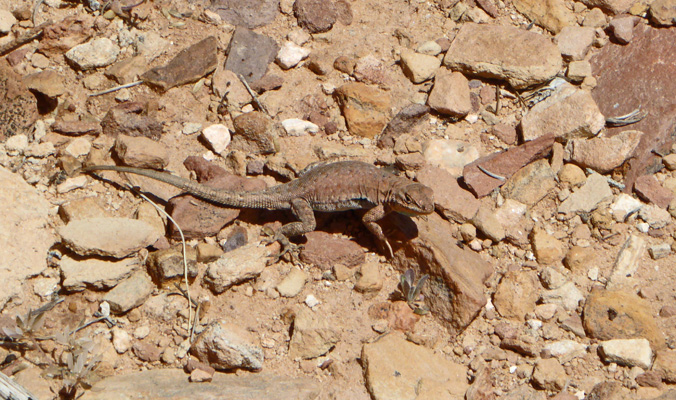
(386, 249)
(289, 249)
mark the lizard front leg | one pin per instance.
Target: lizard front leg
(306, 223)
(369, 219)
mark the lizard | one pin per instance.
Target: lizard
(328, 187)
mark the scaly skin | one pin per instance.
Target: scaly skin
(339, 186)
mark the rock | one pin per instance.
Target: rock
(450, 94)
(24, 250)
(458, 273)
(629, 352)
(225, 346)
(504, 164)
(651, 191)
(255, 133)
(48, 83)
(60, 37)
(565, 350)
(83, 208)
(130, 118)
(325, 250)
(7, 20)
(659, 251)
(451, 155)
(617, 314)
(108, 237)
(578, 70)
(172, 384)
(76, 128)
(189, 65)
(398, 369)
(547, 248)
(315, 15)
(236, 267)
(312, 336)
(141, 152)
(579, 259)
(627, 262)
(610, 391)
(79, 274)
(250, 53)
(121, 340)
(512, 215)
(624, 206)
(402, 123)
(208, 253)
(290, 54)
(451, 200)
(611, 6)
(227, 85)
(18, 106)
(503, 52)
(549, 374)
(516, 294)
(299, 127)
(665, 364)
(603, 154)
(78, 147)
(622, 28)
(248, 14)
(650, 88)
(568, 296)
(72, 184)
(419, 67)
(575, 41)
(371, 70)
(167, 264)
(369, 279)
(218, 137)
(16, 144)
(506, 133)
(586, 198)
(551, 15)
(293, 283)
(430, 48)
(130, 293)
(365, 108)
(127, 70)
(486, 221)
(567, 114)
(663, 12)
(655, 216)
(146, 351)
(96, 53)
(531, 183)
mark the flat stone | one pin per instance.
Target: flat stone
(7, 20)
(290, 54)
(649, 188)
(516, 294)
(398, 369)
(313, 335)
(504, 164)
(451, 200)
(658, 251)
(79, 274)
(78, 147)
(567, 114)
(172, 384)
(250, 53)
(97, 53)
(587, 197)
(618, 314)
(568, 296)
(419, 67)
(450, 94)
(225, 346)
(623, 206)
(663, 12)
(486, 221)
(141, 152)
(574, 42)
(293, 283)
(579, 259)
(456, 274)
(512, 215)
(648, 69)
(299, 127)
(235, 267)
(503, 52)
(189, 65)
(629, 352)
(371, 70)
(369, 279)
(552, 15)
(603, 154)
(47, 82)
(450, 155)
(167, 264)
(549, 374)
(76, 127)
(547, 248)
(324, 250)
(250, 14)
(109, 237)
(655, 216)
(365, 108)
(83, 208)
(565, 350)
(578, 71)
(130, 118)
(130, 293)
(531, 183)
(127, 70)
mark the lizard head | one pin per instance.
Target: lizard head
(413, 199)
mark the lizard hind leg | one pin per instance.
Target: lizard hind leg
(369, 219)
(306, 223)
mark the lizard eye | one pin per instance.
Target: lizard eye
(408, 198)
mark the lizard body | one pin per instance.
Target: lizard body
(338, 186)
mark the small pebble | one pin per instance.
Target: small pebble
(311, 301)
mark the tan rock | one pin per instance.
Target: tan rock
(572, 174)
(313, 336)
(580, 259)
(665, 363)
(552, 15)
(450, 94)
(549, 374)
(365, 108)
(419, 67)
(603, 154)
(547, 248)
(531, 183)
(516, 294)
(141, 152)
(369, 280)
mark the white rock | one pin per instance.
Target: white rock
(69, 184)
(567, 296)
(41, 150)
(299, 127)
(643, 227)
(16, 144)
(629, 352)
(96, 53)
(7, 20)
(419, 67)
(624, 205)
(291, 54)
(79, 147)
(431, 48)
(121, 340)
(311, 301)
(660, 250)
(451, 155)
(655, 216)
(141, 332)
(299, 36)
(218, 137)
(191, 127)
(565, 350)
(293, 283)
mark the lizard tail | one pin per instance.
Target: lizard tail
(223, 197)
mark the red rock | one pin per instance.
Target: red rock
(650, 190)
(506, 133)
(131, 119)
(622, 28)
(504, 164)
(647, 74)
(76, 128)
(62, 36)
(316, 16)
(325, 250)
(147, 351)
(454, 202)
